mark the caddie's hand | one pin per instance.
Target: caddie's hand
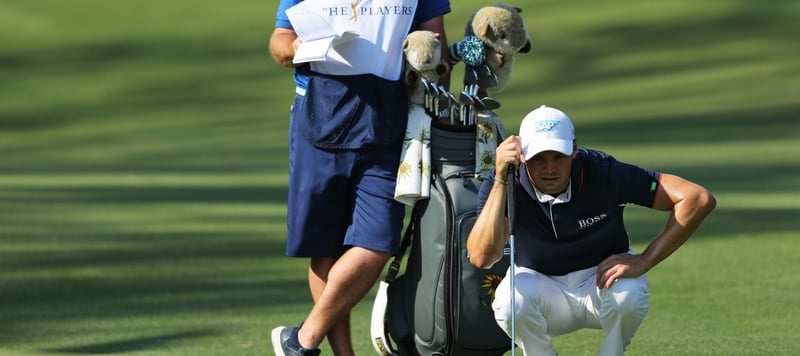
(507, 153)
(621, 265)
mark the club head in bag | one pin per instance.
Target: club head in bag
(490, 103)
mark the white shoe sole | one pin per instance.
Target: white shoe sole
(277, 346)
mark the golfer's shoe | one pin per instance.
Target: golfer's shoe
(285, 343)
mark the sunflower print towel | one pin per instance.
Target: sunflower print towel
(490, 133)
(414, 173)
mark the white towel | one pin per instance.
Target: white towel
(490, 132)
(414, 173)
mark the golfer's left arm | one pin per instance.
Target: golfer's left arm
(689, 204)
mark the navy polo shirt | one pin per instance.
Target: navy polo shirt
(558, 238)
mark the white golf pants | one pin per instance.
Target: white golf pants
(548, 306)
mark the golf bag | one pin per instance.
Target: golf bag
(441, 304)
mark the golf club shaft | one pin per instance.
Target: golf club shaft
(510, 210)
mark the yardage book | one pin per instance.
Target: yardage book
(316, 34)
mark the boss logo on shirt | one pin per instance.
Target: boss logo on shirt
(584, 223)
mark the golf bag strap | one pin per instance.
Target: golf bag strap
(394, 266)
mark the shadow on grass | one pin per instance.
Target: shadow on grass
(166, 105)
(121, 195)
(758, 124)
(126, 63)
(739, 22)
(136, 344)
(179, 279)
(176, 296)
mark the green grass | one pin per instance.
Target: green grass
(143, 168)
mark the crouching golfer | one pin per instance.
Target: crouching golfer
(574, 267)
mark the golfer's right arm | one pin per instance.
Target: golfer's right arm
(488, 237)
(489, 234)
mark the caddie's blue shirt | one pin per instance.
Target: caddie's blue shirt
(558, 238)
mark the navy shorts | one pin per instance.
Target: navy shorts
(341, 198)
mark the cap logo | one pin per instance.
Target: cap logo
(546, 125)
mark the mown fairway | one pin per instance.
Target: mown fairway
(143, 168)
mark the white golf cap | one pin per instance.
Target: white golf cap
(546, 129)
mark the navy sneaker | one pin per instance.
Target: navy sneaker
(285, 343)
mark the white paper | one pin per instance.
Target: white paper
(317, 36)
(317, 50)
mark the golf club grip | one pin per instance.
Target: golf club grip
(510, 199)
